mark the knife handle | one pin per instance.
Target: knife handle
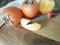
(56, 10)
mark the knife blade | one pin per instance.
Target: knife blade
(44, 17)
(38, 19)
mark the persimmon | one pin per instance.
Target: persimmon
(46, 6)
(12, 15)
(30, 8)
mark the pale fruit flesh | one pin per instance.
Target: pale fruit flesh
(33, 27)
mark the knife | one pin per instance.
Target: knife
(44, 17)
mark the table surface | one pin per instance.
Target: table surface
(20, 36)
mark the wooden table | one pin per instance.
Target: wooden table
(21, 36)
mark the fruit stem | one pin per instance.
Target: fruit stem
(30, 2)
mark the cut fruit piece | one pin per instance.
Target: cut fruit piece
(33, 27)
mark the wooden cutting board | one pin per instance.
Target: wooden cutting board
(49, 34)
(51, 28)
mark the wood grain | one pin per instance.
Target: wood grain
(20, 36)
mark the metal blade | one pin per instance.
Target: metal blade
(39, 19)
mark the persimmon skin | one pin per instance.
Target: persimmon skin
(46, 6)
(14, 13)
(30, 11)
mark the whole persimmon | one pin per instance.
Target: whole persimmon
(12, 15)
(30, 8)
